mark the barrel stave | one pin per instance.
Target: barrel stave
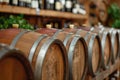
(89, 38)
(19, 67)
(70, 41)
(25, 43)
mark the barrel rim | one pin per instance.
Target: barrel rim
(19, 55)
(43, 51)
(34, 47)
(70, 55)
(68, 36)
(90, 46)
(105, 34)
(113, 34)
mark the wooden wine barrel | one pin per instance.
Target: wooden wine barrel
(118, 31)
(14, 65)
(46, 55)
(77, 51)
(94, 49)
(114, 42)
(105, 43)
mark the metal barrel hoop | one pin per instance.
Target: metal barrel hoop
(56, 33)
(67, 38)
(34, 47)
(112, 43)
(40, 58)
(103, 48)
(90, 69)
(12, 45)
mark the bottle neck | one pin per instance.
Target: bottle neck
(40, 4)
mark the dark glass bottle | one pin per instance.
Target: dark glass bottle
(41, 4)
(28, 3)
(10, 2)
(50, 4)
(68, 5)
(22, 3)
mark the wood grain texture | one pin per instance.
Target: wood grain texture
(96, 49)
(55, 52)
(106, 39)
(79, 53)
(115, 43)
(14, 65)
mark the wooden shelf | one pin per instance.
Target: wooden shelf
(43, 13)
(107, 72)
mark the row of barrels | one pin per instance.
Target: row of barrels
(67, 54)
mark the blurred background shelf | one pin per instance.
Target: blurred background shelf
(42, 13)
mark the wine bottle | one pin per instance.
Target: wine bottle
(41, 4)
(68, 5)
(34, 4)
(49, 4)
(58, 5)
(28, 3)
(63, 5)
(22, 3)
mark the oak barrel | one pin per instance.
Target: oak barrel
(118, 31)
(94, 49)
(114, 42)
(14, 65)
(46, 55)
(77, 51)
(105, 43)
